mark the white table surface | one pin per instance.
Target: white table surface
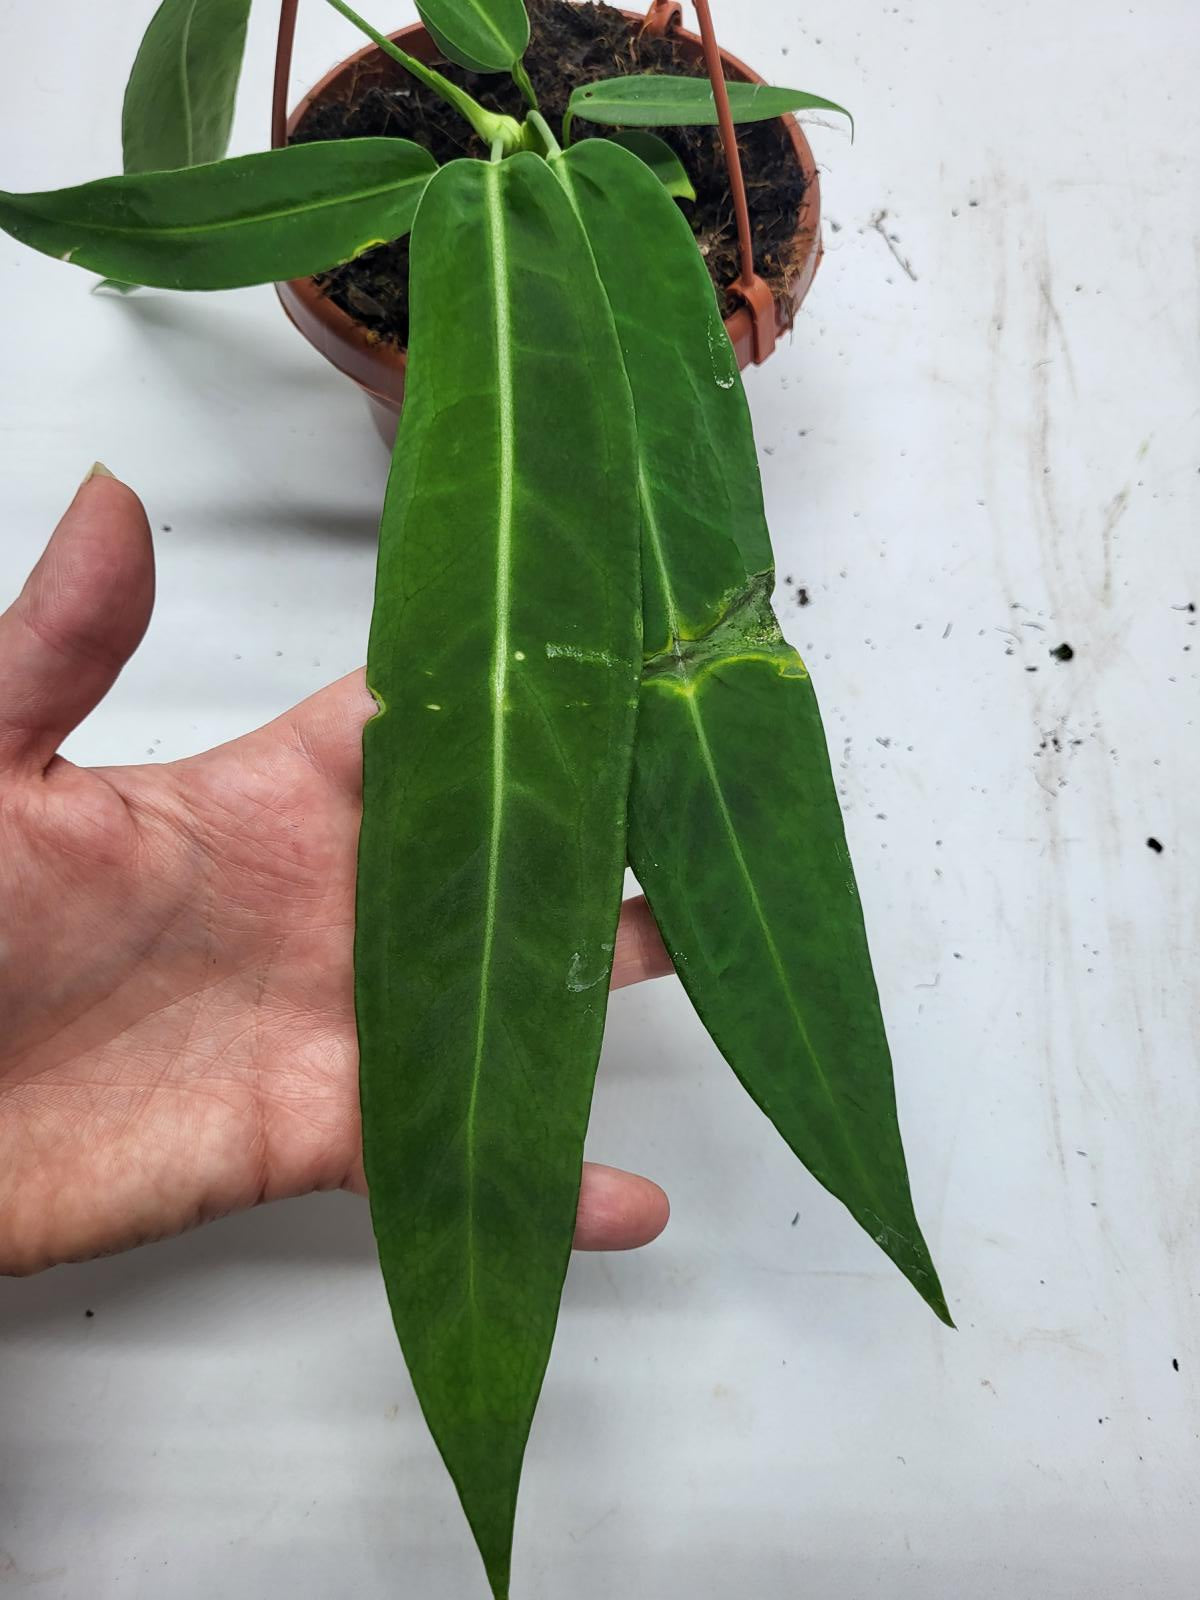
(967, 463)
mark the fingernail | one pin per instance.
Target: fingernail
(98, 470)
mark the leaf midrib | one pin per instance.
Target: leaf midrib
(185, 83)
(498, 674)
(491, 26)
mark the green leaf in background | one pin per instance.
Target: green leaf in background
(481, 35)
(254, 219)
(505, 654)
(661, 159)
(654, 100)
(735, 830)
(180, 98)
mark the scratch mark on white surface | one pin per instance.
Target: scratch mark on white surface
(890, 239)
(12, 1576)
(578, 1538)
(1067, 1338)
(1045, 287)
(1113, 513)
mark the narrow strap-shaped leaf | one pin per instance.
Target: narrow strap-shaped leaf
(254, 219)
(661, 159)
(735, 829)
(655, 100)
(180, 98)
(481, 35)
(505, 654)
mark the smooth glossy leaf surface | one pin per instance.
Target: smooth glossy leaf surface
(661, 159)
(655, 100)
(505, 653)
(735, 830)
(481, 35)
(254, 219)
(181, 94)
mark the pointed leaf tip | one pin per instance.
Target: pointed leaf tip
(660, 158)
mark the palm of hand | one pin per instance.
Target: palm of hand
(194, 1051)
(176, 941)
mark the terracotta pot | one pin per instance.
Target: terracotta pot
(378, 366)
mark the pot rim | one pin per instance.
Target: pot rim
(378, 365)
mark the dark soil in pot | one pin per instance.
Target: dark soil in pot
(570, 44)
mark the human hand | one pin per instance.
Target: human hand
(176, 977)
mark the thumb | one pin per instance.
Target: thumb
(79, 618)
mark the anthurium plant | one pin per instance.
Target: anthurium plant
(576, 664)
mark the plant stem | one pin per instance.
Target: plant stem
(489, 125)
(538, 121)
(521, 79)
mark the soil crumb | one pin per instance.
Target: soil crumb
(569, 45)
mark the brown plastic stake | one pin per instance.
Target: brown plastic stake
(662, 16)
(283, 72)
(750, 289)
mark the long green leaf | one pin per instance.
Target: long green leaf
(655, 100)
(661, 159)
(505, 654)
(481, 35)
(180, 98)
(254, 219)
(735, 830)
